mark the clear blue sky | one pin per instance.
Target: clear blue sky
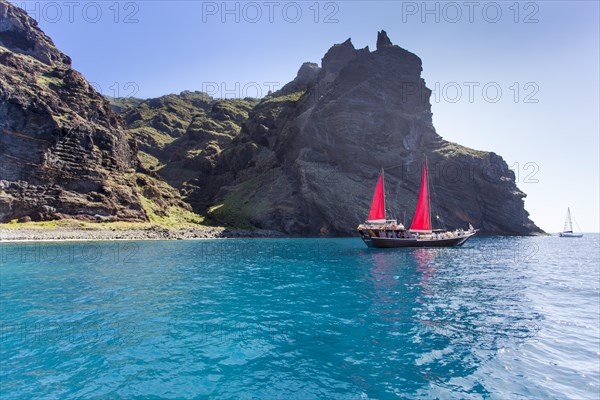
(543, 56)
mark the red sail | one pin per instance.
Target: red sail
(422, 218)
(377, 213)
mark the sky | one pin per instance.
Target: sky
(520, 79)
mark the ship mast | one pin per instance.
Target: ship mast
(428, 198)
(383, 185)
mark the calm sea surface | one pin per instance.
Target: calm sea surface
(500, 318)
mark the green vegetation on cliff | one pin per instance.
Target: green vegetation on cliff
(180, 136)
(293, 97)
(301, 161)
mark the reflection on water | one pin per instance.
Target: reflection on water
(440, 316)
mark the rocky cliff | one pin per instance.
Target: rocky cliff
(302, 161)
(64, 152)
(307, 159)
(180, 138)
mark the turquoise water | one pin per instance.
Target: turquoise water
(503, 318)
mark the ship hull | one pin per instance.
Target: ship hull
(570, 235)
(387, 243)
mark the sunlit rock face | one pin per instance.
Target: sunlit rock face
(65, 154)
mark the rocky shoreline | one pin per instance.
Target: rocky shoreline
(146, 233)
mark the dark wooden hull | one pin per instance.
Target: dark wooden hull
(386, 243)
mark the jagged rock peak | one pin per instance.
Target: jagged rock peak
(355, 118)
(307, 75)
(383, 40)
(338, 56)
(21, 34)
(307, 72)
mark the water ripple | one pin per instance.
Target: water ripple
(301, 319)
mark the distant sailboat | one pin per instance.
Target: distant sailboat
(568, 229)
(378, 231)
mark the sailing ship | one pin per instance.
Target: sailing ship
(568, 228)
(380, 232)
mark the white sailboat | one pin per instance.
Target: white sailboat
(568, 229)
